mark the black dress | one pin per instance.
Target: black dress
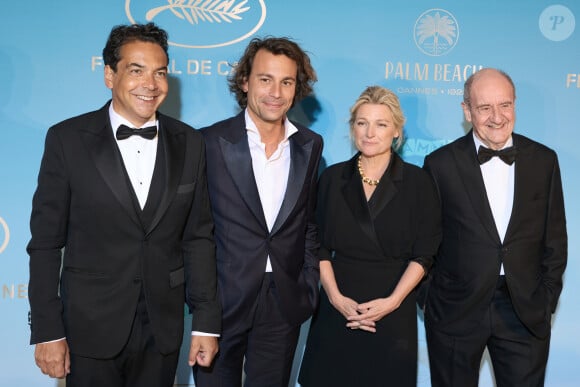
(370, 245)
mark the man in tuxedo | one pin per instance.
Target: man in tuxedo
(498, 273)
(262, 173)
(122, 232)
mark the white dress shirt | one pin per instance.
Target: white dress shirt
(498, 178)
(271, 174)
(138, 155)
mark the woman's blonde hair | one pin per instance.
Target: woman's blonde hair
(381, 96)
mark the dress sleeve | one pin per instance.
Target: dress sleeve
(429, 223)
(322, 208)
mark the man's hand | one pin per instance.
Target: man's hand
(53, 358)
(202, 350)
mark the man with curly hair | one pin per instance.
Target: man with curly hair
(262, 170)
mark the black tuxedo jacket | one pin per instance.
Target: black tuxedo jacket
(85, 205)
(242, 236)
(534, 250)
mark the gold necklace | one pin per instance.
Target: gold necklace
(365, 179)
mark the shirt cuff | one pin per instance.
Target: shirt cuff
(197, 333)
(52, 341)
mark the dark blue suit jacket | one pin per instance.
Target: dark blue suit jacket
(242, 236)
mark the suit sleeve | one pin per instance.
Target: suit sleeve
(199, 256)
(48, 226)
(556, 240)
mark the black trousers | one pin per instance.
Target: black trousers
(139, 364)
(263, 346)
(518, 357)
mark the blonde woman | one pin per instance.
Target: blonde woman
(379, 230)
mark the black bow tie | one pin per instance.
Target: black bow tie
(124, 132)
(507, 155)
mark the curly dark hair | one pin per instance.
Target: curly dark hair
(123, 34)
(306, 76)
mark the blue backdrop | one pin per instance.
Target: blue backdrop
(50, 56)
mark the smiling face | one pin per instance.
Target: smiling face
(373, 130)
(271, 87)
(139, 85)
(491, 109)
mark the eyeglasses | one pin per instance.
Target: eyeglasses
(486, 110)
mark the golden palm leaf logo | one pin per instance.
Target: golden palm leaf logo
(198, 11)
(201, 23)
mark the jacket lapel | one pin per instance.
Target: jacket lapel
(387, 189)
(105, 153)
(523, 177)
(174, 150)
(356, 200)
(470, 175)
(300, 153)
(238, 160)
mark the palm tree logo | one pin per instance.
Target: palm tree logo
(436, 32)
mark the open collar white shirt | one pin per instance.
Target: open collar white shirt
(271, 174)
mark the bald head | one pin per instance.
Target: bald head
(485, 75)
